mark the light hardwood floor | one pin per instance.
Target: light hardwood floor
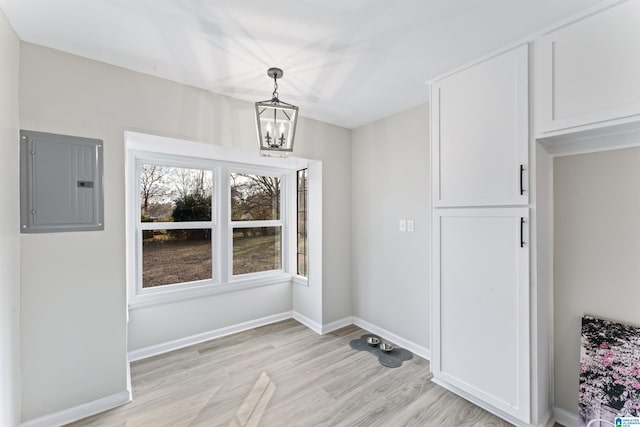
(286, 375)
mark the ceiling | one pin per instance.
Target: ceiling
(346, 62)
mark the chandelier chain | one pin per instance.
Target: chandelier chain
(275, 87)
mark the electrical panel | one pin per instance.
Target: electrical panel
(60, 183)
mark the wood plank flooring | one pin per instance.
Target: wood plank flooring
(285, 375)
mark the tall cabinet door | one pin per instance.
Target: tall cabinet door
(481, 280)
(479, 133)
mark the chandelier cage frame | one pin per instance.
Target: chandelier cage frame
(276, 121)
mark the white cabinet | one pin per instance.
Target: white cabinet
(479, 133)
(481, 280)
(492, 275)
(587, 72)
(481, 346)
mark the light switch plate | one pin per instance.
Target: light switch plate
(403, 225)
(411, 225)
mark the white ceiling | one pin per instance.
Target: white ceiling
(347, 62)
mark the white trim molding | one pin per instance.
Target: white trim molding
(592, 141)
(81, 411)
(489, 408)
(550, 422)
(309, 323)
(318, 328)
(157, 349)
(337, 324)
(172, 295)
(564, 417)
(300, 280)
(416, 349)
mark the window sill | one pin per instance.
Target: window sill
(206, 290)
(300, 280)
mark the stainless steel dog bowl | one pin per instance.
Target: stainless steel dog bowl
(373, 341)
(386, 347)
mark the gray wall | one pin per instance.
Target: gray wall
(74, 297)
(542, 271)
(333, 146)
(9, 235)
(390, 180)
(596, 252)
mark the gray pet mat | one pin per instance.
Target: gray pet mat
(392, 359)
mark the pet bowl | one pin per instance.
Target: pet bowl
(373, 341)
(386, 347)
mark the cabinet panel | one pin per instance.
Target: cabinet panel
(588, 71)
(480, 133)
(481, 324)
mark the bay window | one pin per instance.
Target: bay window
(200, 226)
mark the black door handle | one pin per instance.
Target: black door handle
(521, 232)
(521, 180)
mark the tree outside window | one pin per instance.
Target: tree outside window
(256, 223)
(175, 222)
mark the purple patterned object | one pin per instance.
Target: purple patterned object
(609, 372)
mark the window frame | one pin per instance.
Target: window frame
(282, 222)
(221, 164)
(184, 163)
(306, 230)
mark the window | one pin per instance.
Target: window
(205, 219)
(256, 223)
(302, 209)
(175, 225)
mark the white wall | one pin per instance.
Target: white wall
(159, 324)
(390, 181)
(332, 301)
(332, 145)
(74, 322)
(307, 298)
(541, 199)
(9, 226)
(596, 252)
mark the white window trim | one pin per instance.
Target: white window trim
(169, 289)
(181, 153)
(300, 280)
(282, 222)
(293, 244)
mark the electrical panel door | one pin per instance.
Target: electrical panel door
(60, 183)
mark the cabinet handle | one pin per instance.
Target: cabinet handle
(521, 180)
(522, 232)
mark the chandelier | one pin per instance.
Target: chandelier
(275, 122)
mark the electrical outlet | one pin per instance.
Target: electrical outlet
(403, 225)
(411, 225)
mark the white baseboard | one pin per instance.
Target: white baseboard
(128, 369)
(482, 404)
(309, 323)
(550, 422)
(337, 324)
(564, 417)
(157, 349)
(81, 411)
(416, 349)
